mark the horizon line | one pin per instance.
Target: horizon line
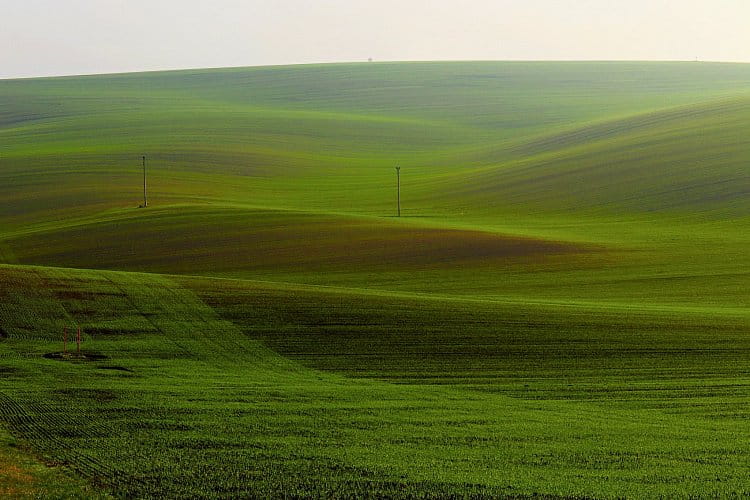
(365, 62)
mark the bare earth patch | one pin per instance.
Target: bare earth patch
(23, 476)
(14, 482)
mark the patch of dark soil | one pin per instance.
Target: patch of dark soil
(72, 295)
(77, 295)
(116, 368)
(82, 312)
(72, 356)
(99, 330)
(100, 395)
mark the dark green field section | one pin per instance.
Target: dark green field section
(178, 394)
(196, 240)
(525, 350)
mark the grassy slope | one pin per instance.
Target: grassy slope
(571, 271)
(322, 138)
(183, 400)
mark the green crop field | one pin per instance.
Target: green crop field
(563, 309)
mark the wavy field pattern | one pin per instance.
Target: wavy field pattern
(561, 311)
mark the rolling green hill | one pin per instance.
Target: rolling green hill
(644, 162)
(326, 137)
(561, 311)
(179, 395)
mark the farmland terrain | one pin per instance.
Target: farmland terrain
(561, 310)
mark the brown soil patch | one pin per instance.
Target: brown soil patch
(73, 356)
(14, 473)
(15, 482)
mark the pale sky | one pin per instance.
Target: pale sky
(60, 37)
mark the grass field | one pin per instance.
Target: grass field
(562, 311)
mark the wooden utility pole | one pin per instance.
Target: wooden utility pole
(398, 189)
(145, 200)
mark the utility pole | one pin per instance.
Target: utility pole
(145, 200)
(398, 189)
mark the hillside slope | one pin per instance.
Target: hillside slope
(177, 395)
(562, 310)
(637, 170)
(327, 137)
(685, 161)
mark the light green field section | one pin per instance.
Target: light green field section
(327, 137)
